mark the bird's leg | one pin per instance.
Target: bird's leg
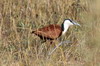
(60, 39)
(51, 41)
(63, 42)
(43, 41)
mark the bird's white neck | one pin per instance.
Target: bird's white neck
(65, 27)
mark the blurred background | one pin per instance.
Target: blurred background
(19, 17)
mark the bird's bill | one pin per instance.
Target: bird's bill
(76, 23)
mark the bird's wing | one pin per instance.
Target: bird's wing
(51, 31)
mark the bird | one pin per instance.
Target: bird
(54, 31)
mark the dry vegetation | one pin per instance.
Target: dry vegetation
(19, 48)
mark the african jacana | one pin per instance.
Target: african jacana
(54, 31)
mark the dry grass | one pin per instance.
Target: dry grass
(19, 48)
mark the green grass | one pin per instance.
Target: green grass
(19, 48)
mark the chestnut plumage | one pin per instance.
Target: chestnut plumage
(49, 32)
(54, 31)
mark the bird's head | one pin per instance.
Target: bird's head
(70, 22)
(66, 24)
